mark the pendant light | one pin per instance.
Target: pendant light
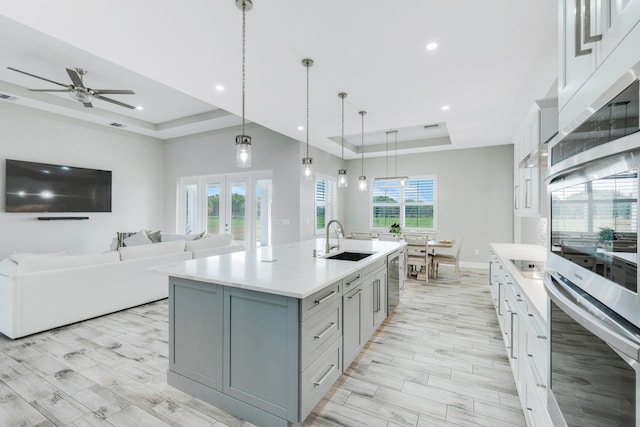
(392, 181)
(342, 173)
(362, 179)
(307, 162)
(403, 179)
(243, 142)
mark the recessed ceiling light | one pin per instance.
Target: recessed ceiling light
(300, 127)
(219, 88)
(445, 107)
(432, 46)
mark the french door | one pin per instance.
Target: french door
(239, 204)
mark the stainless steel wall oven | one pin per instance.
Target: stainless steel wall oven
(592, 277)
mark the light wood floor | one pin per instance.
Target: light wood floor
(437, 361)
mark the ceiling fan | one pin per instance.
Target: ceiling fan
(78, 91)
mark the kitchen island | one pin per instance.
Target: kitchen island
(263, 334)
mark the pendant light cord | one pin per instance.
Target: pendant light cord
(307, 110)
(362, 148)
(244, 6)
(396, 156)
(387, 153)
(342, 137)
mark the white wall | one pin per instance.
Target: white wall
(474, 194)
(213, 153)
(327, 165)
(136, 162)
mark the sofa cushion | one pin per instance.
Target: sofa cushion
(170, 237)
(39, 263)
(211, 241)
(140, 238)
(152, 249)
(8, 267)
(18, 257)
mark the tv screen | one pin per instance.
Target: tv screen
(42, 187)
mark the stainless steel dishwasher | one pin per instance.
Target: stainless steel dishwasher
(395, 279)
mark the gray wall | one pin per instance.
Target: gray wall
(136, 162)
(474, 195)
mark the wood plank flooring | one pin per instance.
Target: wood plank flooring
(437, 361)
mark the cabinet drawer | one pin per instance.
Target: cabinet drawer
(319, 331)
(535, 402)
(321, 299)
(352, 281)
(318, 378)
(372, 268)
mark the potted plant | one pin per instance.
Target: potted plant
(395, 229)
(605, 234)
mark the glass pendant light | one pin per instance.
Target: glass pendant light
(243, 142)
(362, 179)
(307, 162)
(342, 173)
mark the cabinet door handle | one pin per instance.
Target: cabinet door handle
(354, 294)
(324, 298)
(588, 38)
(323, 333)
(324, 377)
(516, 190)
(527, 193)
(356, 278)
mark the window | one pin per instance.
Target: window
(412, 205)
(325, 202)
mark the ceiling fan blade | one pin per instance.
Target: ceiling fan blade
(88, 104)
(113, 101)
(49, 90)
(113, 92)
(37, 77)
(75, 78)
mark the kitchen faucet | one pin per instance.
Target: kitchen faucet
(327, 245)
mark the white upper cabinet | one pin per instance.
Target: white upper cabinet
(598, 44)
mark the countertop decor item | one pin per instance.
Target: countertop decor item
(395, 229)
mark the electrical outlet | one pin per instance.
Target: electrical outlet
(477, 251)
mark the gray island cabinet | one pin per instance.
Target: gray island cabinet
(264, 334)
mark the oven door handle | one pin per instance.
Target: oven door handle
(594, 320)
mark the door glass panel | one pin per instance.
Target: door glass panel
(238, 195)
(191, 207)
(263, 212)
(213, 208)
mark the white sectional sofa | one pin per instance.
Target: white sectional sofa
(46, 292)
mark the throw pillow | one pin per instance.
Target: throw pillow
(154, 236)
(8, 267)
(18, 257)
(120, 236)
(140, 238)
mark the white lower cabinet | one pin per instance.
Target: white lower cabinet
(525, 340)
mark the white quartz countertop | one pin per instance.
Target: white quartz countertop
(289, 269)
(533, 288)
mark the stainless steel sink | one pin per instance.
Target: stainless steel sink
(349, 256)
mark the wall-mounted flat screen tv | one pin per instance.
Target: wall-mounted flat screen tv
(43, 187)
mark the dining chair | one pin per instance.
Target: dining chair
(389, 237)
(361, 236)
(417, 255)
(452, 259)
